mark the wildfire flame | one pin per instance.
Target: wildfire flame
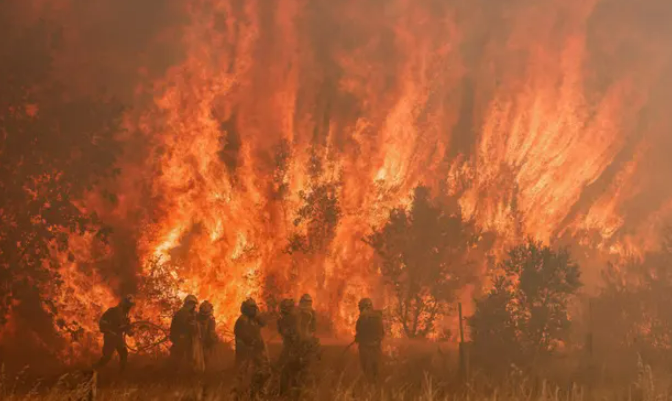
(277, 107)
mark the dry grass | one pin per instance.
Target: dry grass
(344, 392)
(418, 378)
(158, 392)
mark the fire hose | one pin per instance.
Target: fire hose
(146, 335)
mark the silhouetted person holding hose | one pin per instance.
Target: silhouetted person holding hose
(115, 325)
(207, 324)
(183, 329)
(251, 355)
(308, 345)
(369, 336)
(289, 363)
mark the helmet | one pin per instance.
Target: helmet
(306, 300)
(128, 301)
(190, 299)
(206, 308)
(249, 307)
(286, 305)
(365, 304)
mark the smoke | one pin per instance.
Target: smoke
(544, 119)
(631, 41)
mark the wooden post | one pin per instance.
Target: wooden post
(589, 339)
(462, 347)
(459, 308)
(590, 374)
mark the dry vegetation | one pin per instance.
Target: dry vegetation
(420, 375)
(73, 161)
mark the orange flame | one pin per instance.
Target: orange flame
(502, 113)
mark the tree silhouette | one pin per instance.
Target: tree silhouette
(54, 146)
(634, 304)
(424, 258)
(493, 327)
(319, 213)
(524, 316)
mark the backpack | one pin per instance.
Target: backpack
(306, 324)
(371, 329)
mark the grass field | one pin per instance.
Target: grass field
(413, 372)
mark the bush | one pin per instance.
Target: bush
(424, 254)
(524, 316)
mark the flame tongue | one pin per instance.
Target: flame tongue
(275, 104)
(289, 128)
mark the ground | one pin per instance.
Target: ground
(413, 371)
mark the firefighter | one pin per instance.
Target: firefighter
(207, 325)
(307, 320)
(308, 347)
(207, 342)
(369, 336)
(251, 355)
(289, 331)
(183, 331)
(115, 325)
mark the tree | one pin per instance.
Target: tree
(493, 327)
(54, 147)
(319, 213)
(424, 257)
(524, 316)
(316, 220)
(634, 304)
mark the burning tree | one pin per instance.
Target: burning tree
(424, 258)
(160, 288)
(524, 316)
(320, 211)
(633, 308)
(54, 146)
(317, 220)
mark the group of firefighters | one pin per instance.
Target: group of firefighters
(193, 337)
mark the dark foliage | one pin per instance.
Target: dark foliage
(160, 289)
(424, 258)
(524, 316)
(54, 147)
(633, 308)
(319, 213)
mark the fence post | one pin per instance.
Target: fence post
(589, 337)
(462, 347)
(590, 350)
